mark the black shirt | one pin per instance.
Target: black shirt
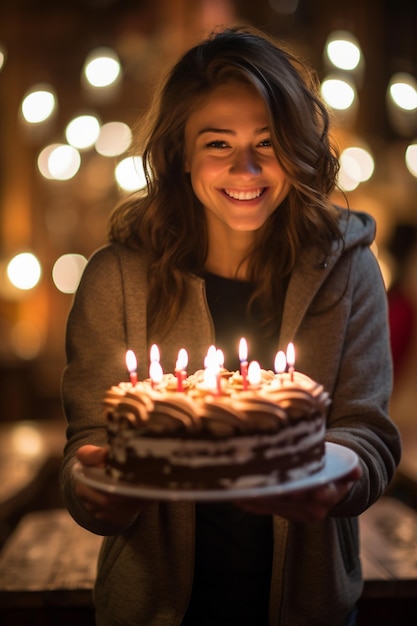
(233, 556)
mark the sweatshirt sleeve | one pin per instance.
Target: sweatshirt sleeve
(359, 417)
(95, 349)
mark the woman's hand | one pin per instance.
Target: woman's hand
(114, 509)
(304, 506)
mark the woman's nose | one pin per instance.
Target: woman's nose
(245, 161)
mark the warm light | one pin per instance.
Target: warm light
(114, 139)
(39, 104)
(210, 359)
(343, 50)
(27, 441)
(155, 372)
(220, 357)
(67, 272)
(131, 362)
(403, 91)
(130, 175)
(83, 131)
(182, 360)
(243, 350)
(338, 93)
(364, 160)
(24, 271)
(63, 162)
(254, 373)
(290, 355)
(280, 363)
(411, 158)
(349, 176)
(102, 67)
(2, 56)
(154, 353)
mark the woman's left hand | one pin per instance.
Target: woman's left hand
(305, 505)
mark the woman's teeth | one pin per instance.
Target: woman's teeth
(243, 195)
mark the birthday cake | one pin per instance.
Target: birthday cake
(233, 437)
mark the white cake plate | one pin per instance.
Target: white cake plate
(339, 461)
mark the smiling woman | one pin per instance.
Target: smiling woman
(235, 235)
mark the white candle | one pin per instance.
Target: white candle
(131, 365)
(291, 359)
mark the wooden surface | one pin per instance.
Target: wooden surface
(49, 560)
(389, 549)
(26, 449)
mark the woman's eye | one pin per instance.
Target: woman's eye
(265, 143)
(217, 143)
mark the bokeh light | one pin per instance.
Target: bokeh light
(82, 131)
(38, 104)
(67, 272)
(63, 162)
(102, 67)
(24, 271)
(343, 50)
(403, 91)
(338, 93)
(130, 175)
(411, 158)
(114, 139)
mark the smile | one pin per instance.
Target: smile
(244, 195)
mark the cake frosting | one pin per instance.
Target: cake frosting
(229, 438)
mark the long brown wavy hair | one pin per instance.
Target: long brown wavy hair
(168, 222)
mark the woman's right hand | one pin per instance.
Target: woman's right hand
(120, 511)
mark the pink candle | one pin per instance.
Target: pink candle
(180, 368)
(243, 357)
(131, 365)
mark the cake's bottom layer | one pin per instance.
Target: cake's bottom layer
(235, 463)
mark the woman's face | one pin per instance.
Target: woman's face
(228, 153)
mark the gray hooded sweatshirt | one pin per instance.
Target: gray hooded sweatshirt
(336, 313)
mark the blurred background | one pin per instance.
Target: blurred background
(75, 78)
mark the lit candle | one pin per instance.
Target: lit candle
(254, 374)
(291, 360)
(280, 363)
(155, 356)
(212, 370)
(243, 358)
(131, 365)
(180, 367)
(156, 373)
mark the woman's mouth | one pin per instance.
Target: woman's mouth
(244, 194)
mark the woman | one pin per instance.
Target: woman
(235, 236)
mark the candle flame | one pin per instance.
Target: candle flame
(280, 362)
(210, 359)
(220, 357)
(155, 372)
(290, 355)
(131, 362)
(182, 360)
(254, 373)
(155, 356)
(243, 350)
